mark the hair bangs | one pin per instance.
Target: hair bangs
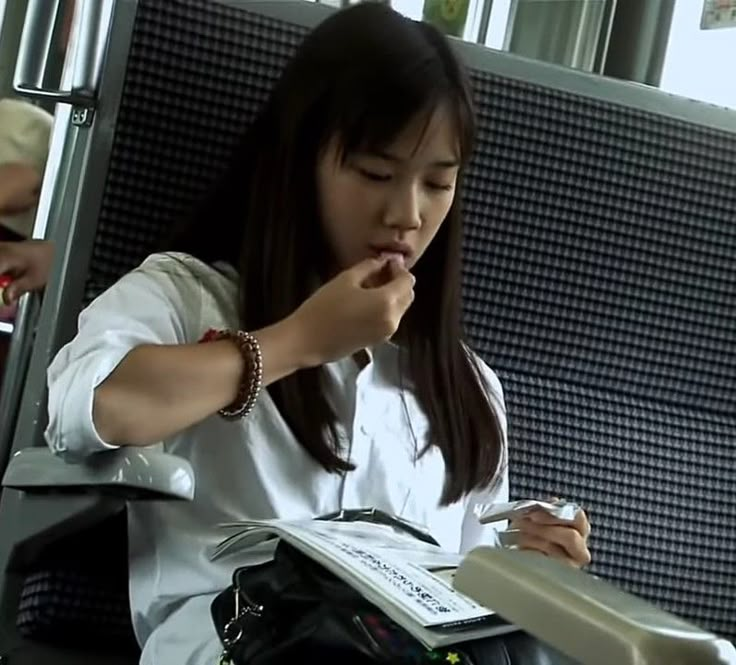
(372, 110)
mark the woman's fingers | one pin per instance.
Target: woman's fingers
(528, 541)
(561, 540)
(581, 523)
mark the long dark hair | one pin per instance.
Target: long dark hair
(360, 76)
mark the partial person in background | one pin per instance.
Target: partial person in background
(25, 131)
(27, 263)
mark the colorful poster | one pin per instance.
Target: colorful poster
(718, 14)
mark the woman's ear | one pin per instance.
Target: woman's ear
(20, 185)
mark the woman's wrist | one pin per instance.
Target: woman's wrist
(250, 379)
(285, 349)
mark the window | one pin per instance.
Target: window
(699, 63)
(497, 25)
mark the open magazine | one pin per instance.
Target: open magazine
(409, 580)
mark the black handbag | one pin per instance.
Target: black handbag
(293, 610)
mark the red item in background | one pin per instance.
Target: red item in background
(7, 312)
(5, 281)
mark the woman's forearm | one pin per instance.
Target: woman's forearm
(159, 390)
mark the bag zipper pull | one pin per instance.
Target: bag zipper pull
(233, 631)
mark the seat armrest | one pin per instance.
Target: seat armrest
(583, 616)
(129, 473)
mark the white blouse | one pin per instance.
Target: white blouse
(252, 468)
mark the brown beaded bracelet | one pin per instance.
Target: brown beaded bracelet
(252, 378)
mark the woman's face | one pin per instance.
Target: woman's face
(392, 202)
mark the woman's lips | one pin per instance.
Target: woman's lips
(398, 257)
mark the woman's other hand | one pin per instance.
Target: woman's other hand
(560, 539)
(28, 262)
(360, 307)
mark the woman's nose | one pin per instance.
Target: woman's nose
(403, 209)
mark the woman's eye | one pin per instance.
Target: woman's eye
(374, 175)
(437, 186)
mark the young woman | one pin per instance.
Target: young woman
(335, 241)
